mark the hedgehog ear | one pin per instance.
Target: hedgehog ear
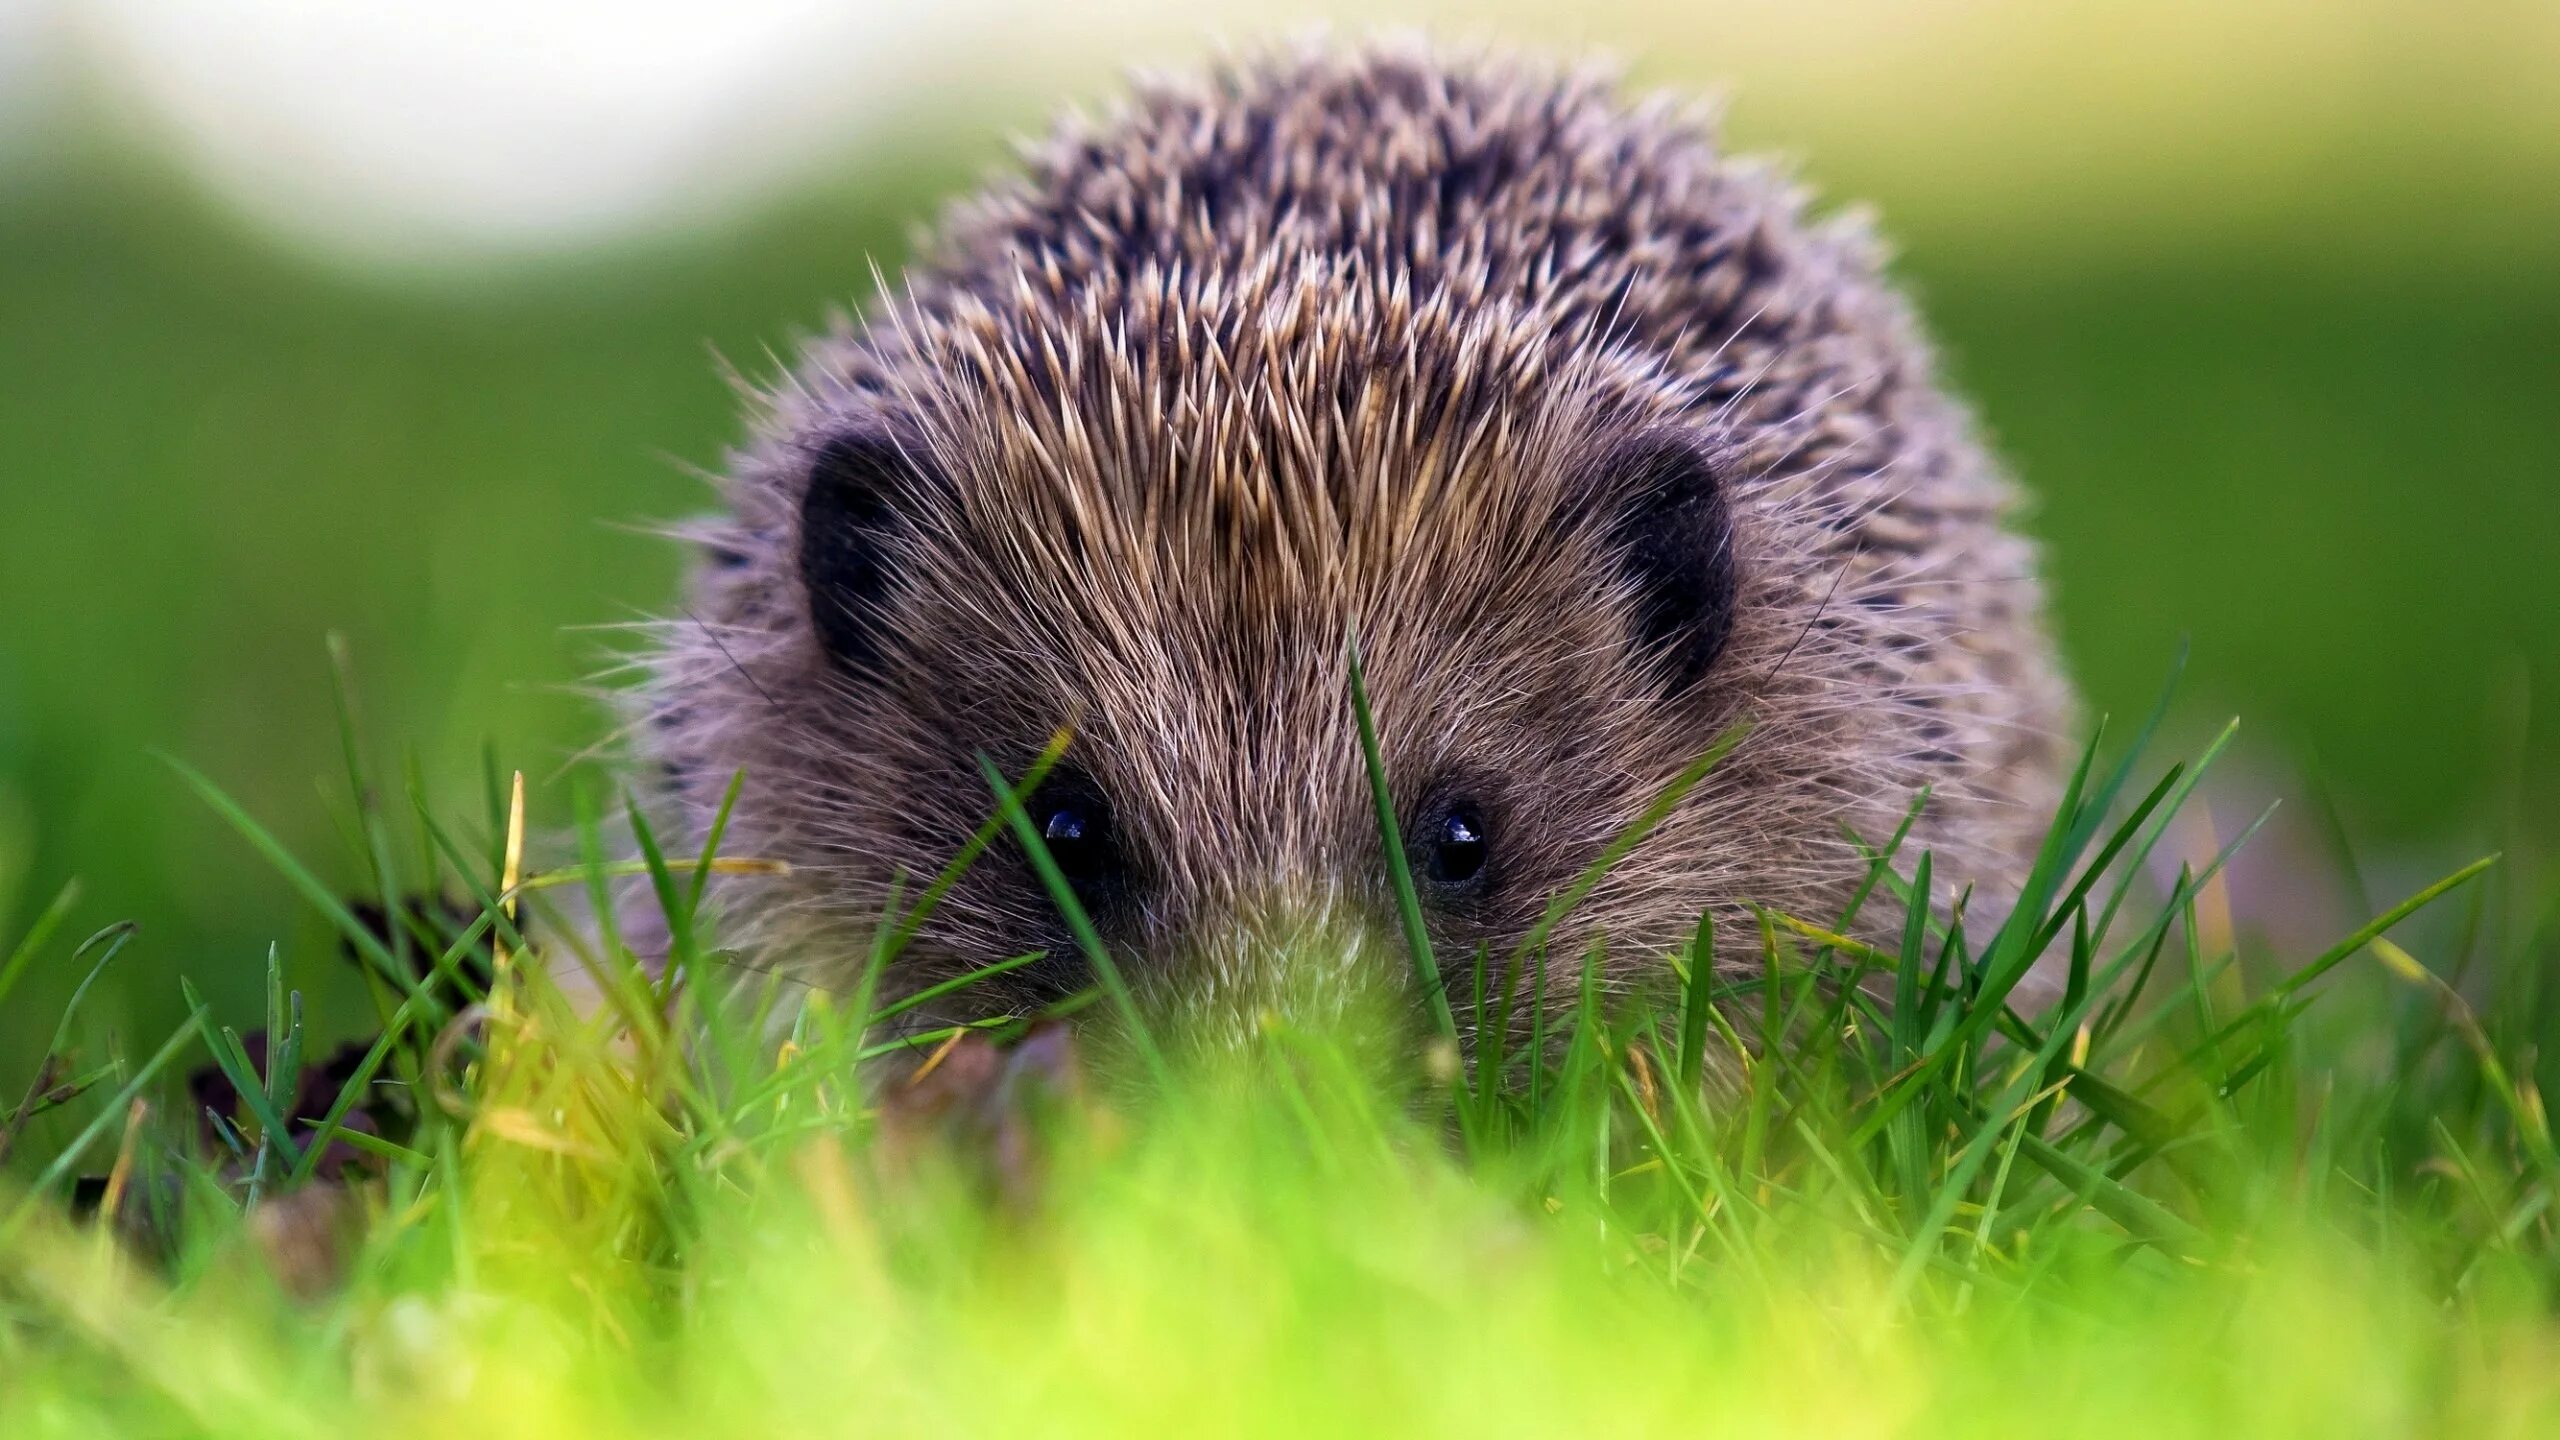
(851, 526)
(1671, 532)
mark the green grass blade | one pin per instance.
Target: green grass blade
(1628, 839)
(1417, 935)
(321, 897)
(39, 935)
(1696, 1001)
(351, 1094)
(1089, 940)
(224, 1045)
(973, 848)
(931, 993)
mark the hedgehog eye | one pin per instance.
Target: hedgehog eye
(1456, 848)
(1077, 835)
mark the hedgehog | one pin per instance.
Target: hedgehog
(1598, 442)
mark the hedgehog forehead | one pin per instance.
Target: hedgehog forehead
(1202, 486)
(1222, 654)
(1290, 423)
(1171, 519)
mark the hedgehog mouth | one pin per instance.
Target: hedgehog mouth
(1285, 973)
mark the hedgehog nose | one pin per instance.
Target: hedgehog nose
(1282, 972)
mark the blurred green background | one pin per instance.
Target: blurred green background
(2284, 372)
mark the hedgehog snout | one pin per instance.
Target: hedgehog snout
(1282, 967)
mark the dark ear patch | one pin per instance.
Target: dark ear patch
(851, 529)
(1672, 533)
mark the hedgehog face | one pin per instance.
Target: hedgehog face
(1528, 614)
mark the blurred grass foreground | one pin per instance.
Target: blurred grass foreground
(1860, 1192)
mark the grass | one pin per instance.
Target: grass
(1867, 1189)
